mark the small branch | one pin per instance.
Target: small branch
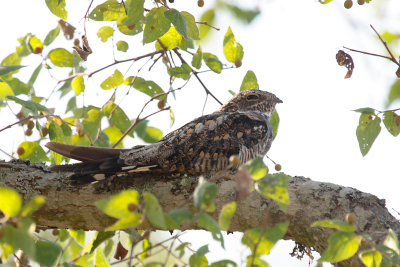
(125, 60)
(31, 117)
(196, 74)
(367, 53)
(206, 23)
(386, 46)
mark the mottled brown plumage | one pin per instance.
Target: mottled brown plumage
(241, 127)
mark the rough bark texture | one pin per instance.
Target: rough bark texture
(69, 202)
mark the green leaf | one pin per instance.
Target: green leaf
(23, 49)
(341, 246)
(122, 46)
(117, 205)
(33, 205)
(114, 134)
(149, 88)
(275, 187)
(180, 216)
(10, 201)
(171, 117)
(197, 58)
(18, 87)
(32, 106)
(117, 117)
(209, 17)
(392, 242)
(34, 75)
(105, 32)
(147, 133)
(325, 1)
(261, 241)
(257, 168)
(207, 222)
(178, 20)
(60, 57)
(114, 80)
(170, 40)
(394, 93)
(78, 84)
(33, 151)
(389, 120)
(192, 30)
(36, 45)
(249, 81)
(20, 238)
(246, 15)
(339, 225)
(108, 11)
(57, 7)
(182, 72)
(223, 263)
(274, 120)
(153, 211)
(5, 91)
(135, 11)
(365, 110)
(226, 215)
(371, 258)
(9, 68)
(204, 194)
(127, 222)
(52, 35)
(198, 259)
(255, 262)
(212, 62)
(47, 252)
(156, 25)
(232, 50)
(100, 259)
(132, 29)
(56, 134)
(71, 105)
(367, 131)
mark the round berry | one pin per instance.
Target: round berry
(361, 2)
(28, 132)
(38, 50)
(76, 42)
(200, 3)
(131, 207)
(350, 218)
(161, 104)
(238, 63)
(20, 151)
(20, 115)
(55, 232)
(31, 124)
(171, 1)
(348, 4)
(45, 131)
(278, 167)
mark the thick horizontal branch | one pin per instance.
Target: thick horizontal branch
(69, 202)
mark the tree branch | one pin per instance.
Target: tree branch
(69, 202)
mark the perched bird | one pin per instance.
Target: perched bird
(239, 128)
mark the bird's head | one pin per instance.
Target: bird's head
(252, 100)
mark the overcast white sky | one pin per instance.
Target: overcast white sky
(291, 47)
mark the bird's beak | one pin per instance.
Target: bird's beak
(277, 100)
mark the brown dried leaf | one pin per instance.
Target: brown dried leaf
(67, 29)
(85, 51)
(121, 252)
(344, 59)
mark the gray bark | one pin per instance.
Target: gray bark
(69, 202)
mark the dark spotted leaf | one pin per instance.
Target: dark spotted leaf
(156, 25)
(367, 131)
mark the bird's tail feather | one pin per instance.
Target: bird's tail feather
(109, 165)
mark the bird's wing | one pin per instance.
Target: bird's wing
(206, 143)
(84, 153)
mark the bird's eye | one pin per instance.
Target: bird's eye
(252, 97)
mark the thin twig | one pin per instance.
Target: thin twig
(386, 46)
(125, 60)
(31, 117)
(206, 23)
(4, 152)
(196, 74)
(367, 53)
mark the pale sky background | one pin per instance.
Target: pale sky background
(291, 48)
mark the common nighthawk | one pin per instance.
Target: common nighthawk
(241, 127)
